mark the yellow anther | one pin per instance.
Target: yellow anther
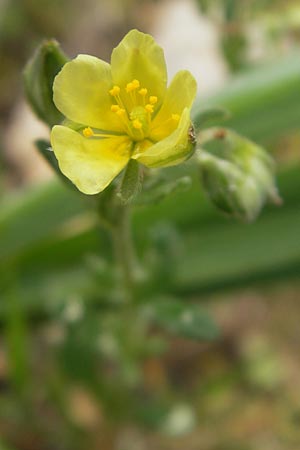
(175, 117)
(136, 84)
(120, 112)
(149, 108)
(130, 87)
(115, 91)
(153, 99)
(143, 92)
(137, 124)
(88, 132)
(115, 108)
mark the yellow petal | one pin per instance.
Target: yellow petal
(172, 150)
(81, 93)
(138, 57)
(180, 95)
(91, 164)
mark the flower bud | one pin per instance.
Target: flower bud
(238, 176)
(39, 74)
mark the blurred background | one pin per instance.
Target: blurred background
(69, 377)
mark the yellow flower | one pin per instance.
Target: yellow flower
(120, 111)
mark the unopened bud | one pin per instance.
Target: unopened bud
(39, 74)
(238, 176)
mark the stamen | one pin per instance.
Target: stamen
(115, 108)
(135, 118)
(149, 108)
(153, 99)
(143, 92)
(136, 84)
(87, 132)
(121, 112)
(115, 91)
(130, 87)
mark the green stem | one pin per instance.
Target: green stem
(124, 251)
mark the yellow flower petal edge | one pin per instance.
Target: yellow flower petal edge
(90, 164)
(139, 57)
(114, 113)
(81, 93)
(180, 95)
(172, 150)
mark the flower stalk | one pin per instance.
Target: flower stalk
(124, 251)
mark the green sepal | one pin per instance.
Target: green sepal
(131, 182)
(38, 78)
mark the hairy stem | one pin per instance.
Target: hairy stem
(124, 251)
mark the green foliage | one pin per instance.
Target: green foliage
(51, 242)
(264, 102)
(77, 349)
(48, 250)
(233, 46)
(23, 223)
(183, 319)
(235, 17)
(17, 342)
(233, 40)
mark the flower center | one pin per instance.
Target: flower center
(134, 107)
